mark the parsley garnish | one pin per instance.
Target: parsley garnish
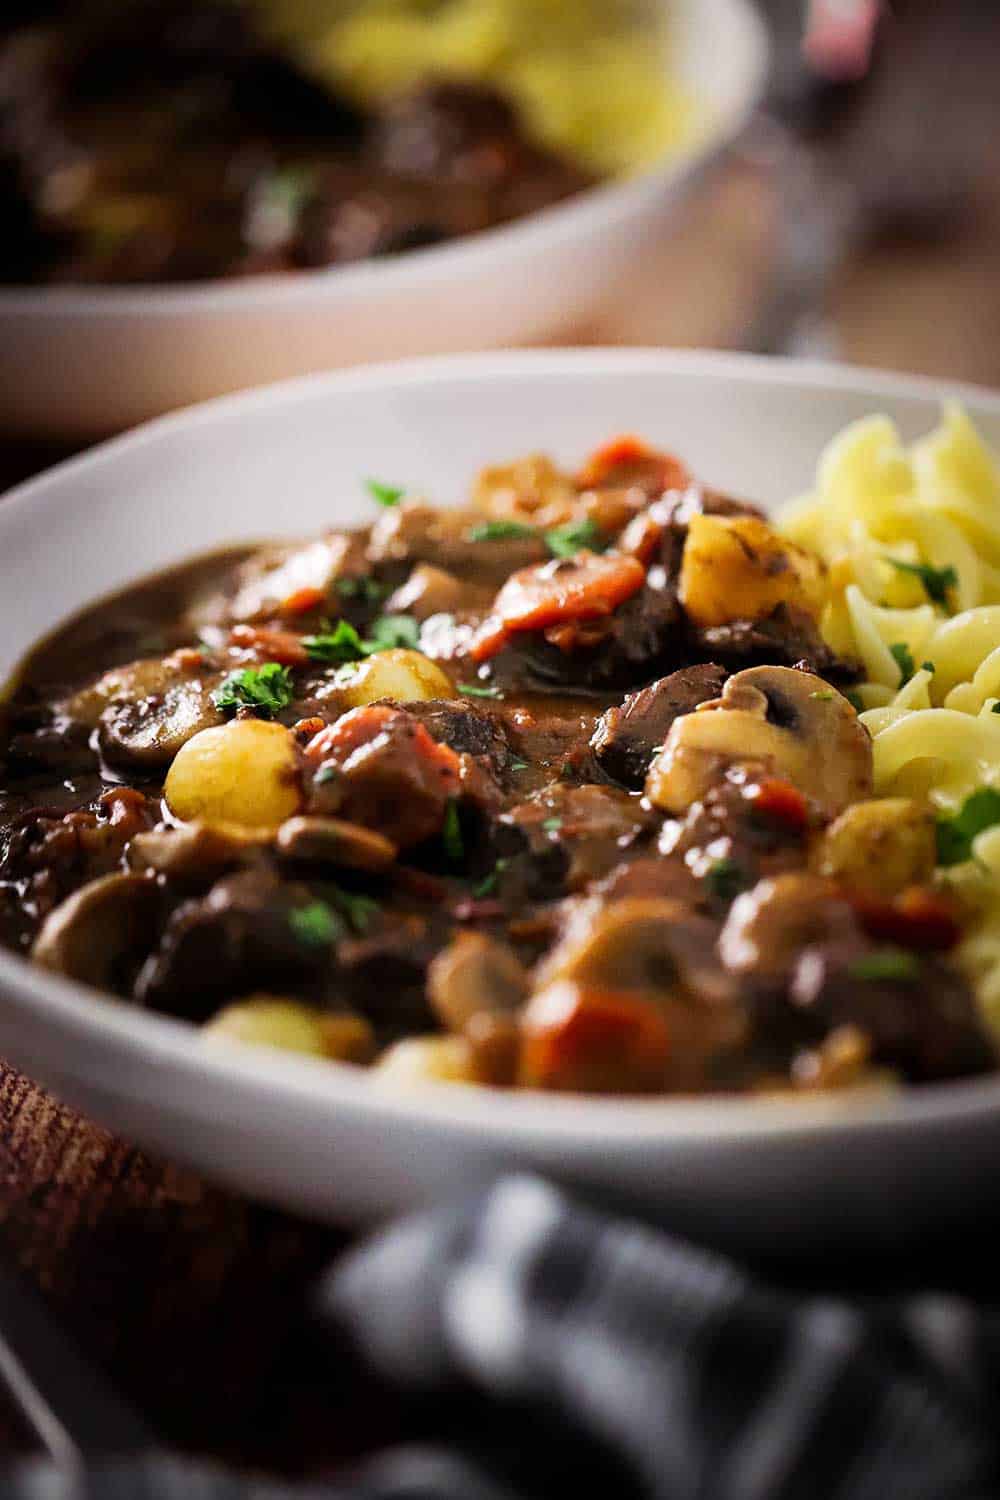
(900, 653)
(389, 631)
(267, 688)
(552, 825)
(574, 536)
(979, 811)
(385, 494)
(894, 964)
(996, 707)
(356, 909)
(520, 765)
(854, 699)
(725, 879)
(500, 531)
(826, 697)
(316, 925)
(471, 690)
(489, 883)
(936, 581)
(451, 833)
(338, 645)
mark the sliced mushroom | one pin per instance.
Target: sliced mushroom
(93, 933)
(135, 681)
(314, 566)
(333, 841)
(769, 926)
(428, 591)
(792, 723)
(200, 851)
(147, 734)
(640, 943)
(475, 975)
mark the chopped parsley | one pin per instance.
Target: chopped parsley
(824, 697)
(520, 765)
(384, 494)
(390, 631)
(357, 910)
(267, 689)
(500, 531)
(725, 879)
(472, 690)
(343, 643)
(900, 653)
(893, 964)
(928, 666)
(955, 835)
(552, 825)
(488, 884)
(936, 581)
(574, 536)
(317, 925)
(451, 833)
(996, 707)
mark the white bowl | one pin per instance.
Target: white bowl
(88, 362)
(326, 1139)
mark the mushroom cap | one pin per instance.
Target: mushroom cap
(333, 841)
(88, 935)
(790, 721)
(475, 975)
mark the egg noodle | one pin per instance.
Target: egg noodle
(590, 81)
(911, 535)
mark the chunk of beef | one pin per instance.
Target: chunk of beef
(384, 974)
(466, 729)
(240, 938)
(414, 533)
(627, 736)
(594, 825)
(924, 1023)
(728, 847)
(787, 637)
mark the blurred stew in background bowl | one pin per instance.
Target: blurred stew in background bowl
(178, 140)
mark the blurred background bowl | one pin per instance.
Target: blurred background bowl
(83, 362)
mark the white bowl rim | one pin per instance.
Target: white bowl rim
(419, 268)
(76, 1013)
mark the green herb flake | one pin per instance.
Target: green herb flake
(451, 833)
(893, 964)
(356, 909)
(900, 653)
(325, 774)
(854, 699)
(552, 825)
(267, 689)
(473, 690)
(520, 765)
(500, 531)
(387, 495)
(825, 697)
(488, 884)
(955, 835)
(725, 879)
(574, 537)
(340, 644)
(936, 581)
(316, 925)
(369, 590)
(996, 707)
(928, 666)
(391, 631)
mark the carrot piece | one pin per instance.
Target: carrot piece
(360, 726)
(270, 644)
(628, 453)
(302, 601)
(918, 918)
(585, 587)
(781, 801)
(593, 1040)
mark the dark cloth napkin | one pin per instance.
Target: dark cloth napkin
(565, 1351)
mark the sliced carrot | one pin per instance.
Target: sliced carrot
(780, 801)
(303, 601)
(593, 1040)
(585, 587)
(918, 918)
(270, 644)
(615, 460)
(360, 726)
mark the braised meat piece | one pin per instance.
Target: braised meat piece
(626, 737)
(787, 637)
(466, 729)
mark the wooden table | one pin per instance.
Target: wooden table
(190, 1298)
